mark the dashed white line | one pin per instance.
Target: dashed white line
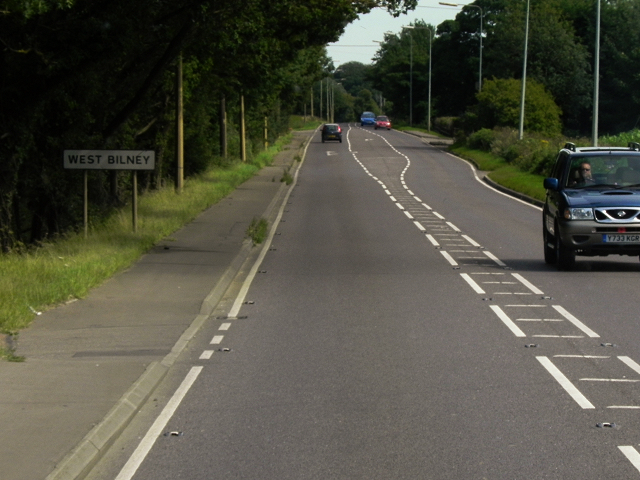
(494, 258)
(420, 227)
(564, 382)
(433, 241)
(576, 322)
(455, 229)
(528, 284)
(409, 216)
(472, 283)
(224, 326)
(449, 258)
(632, 455)
(507, 321)
(216, 339)
(438, 215)
(470, 240)
(206, 355)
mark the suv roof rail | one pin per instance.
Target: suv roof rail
(570, 146)
(634, 146)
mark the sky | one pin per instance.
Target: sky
(357, 43)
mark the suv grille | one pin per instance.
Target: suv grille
(617, 215)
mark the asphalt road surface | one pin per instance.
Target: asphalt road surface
(402, 324)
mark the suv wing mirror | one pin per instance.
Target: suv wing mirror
(551, 184)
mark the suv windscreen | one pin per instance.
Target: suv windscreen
(606, 170)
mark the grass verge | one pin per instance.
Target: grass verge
(69, 267)
(502, 173)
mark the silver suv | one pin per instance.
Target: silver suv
(593, 204)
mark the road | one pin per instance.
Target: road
(402, 324)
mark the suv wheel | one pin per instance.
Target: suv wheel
(565, 256)
(549, 250)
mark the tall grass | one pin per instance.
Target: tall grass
(69, 267)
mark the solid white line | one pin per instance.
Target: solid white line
(419, 225)
(558, 336)
(528, 284)
(631, 407)
(206, 355)
(507, 321)
(433, 241)
(216, 339)
(494, 258)
(134, 462)
(630, 363)
(472, 283)
(449, 258)
(470, 240)
(576, 322)
(565, 383)
(632, 455)
(582, 356)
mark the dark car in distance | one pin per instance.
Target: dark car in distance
(331, 131)
(382, 121)
(592, 206)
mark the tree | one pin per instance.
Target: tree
(499, 106)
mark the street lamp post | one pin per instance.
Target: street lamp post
(481, 33)
(524, 75)
(413, 27)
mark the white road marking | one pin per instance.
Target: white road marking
(216, 339)
(470, 240)
(456, 229)
(449, 258)
(224, 326)
(632, 455)
(630, 363)
(630, 407)
(426, 206)
(438, 215)
(393, 199)
(576, 322)
(558, 336)
(494, 258)
(420, 227)
(433, 241)
(134, 462)
(472, 283)
(507, 321)
(399, 206)
(206, 355)
(583, 356)
(528, 284)
(417, 199)
(409, 216)
(629, 380)
(539, 320)
(564, 382)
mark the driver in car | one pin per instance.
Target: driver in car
(583, 176)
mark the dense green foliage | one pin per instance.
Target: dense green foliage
(560, 57)
(92, 74)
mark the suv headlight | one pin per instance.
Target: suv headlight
(578, 214)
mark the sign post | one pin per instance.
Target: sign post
(133, 160)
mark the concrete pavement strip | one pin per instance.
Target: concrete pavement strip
(91, 364)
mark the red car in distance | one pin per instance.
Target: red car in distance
(382, 122)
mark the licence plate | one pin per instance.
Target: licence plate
(621, 238)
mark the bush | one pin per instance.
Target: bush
(482, 140)
(499, 106)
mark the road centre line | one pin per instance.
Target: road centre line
(630, 363)
(632, 455)
(456, 229)
(507, 321)
(472, 283)
(576, 322)
(470, 240)
(433, 241)
(528, 284)
(140, 453)
(494, 258)
(449, 258)
(564, 382)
